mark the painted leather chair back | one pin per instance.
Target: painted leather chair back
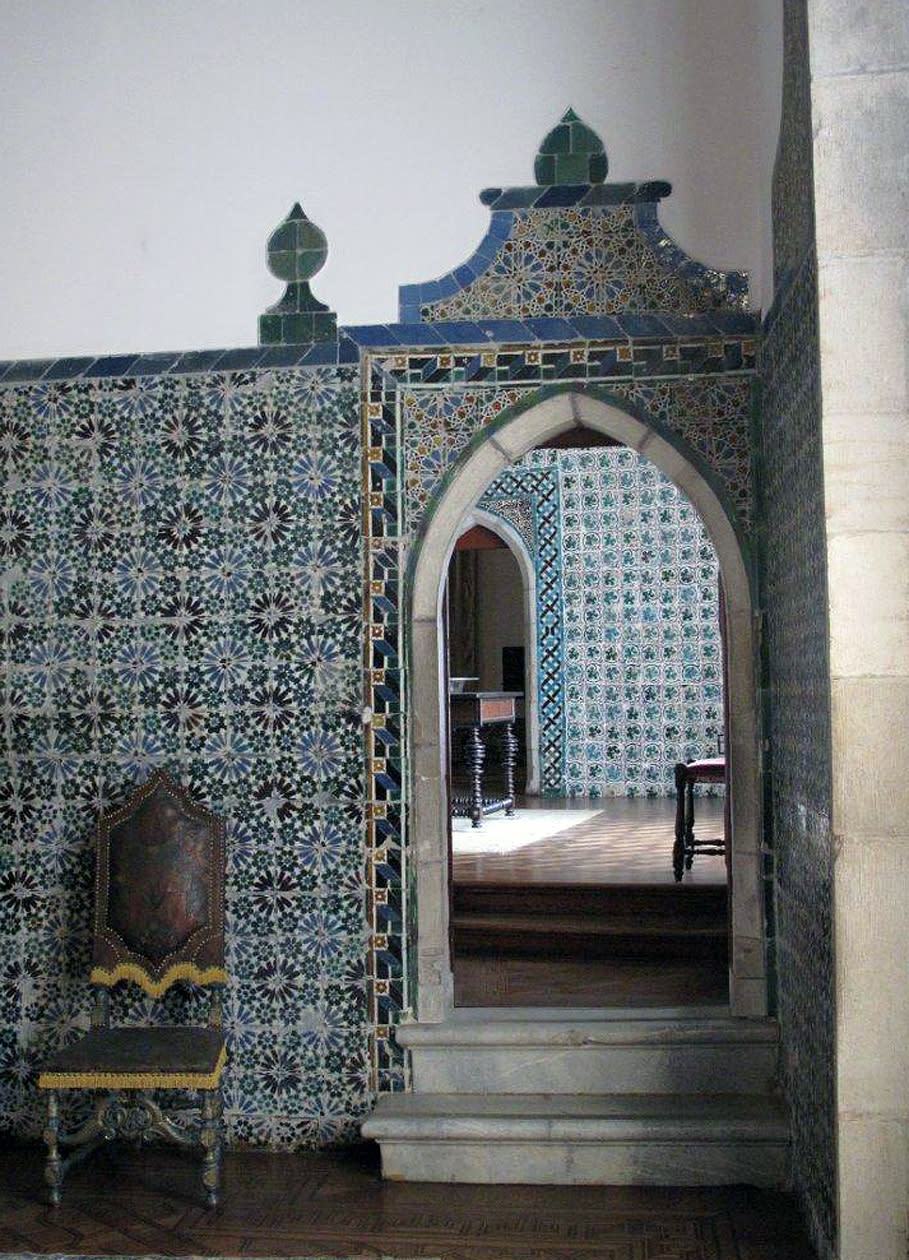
(159, 890)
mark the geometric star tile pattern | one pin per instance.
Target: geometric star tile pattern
(581, 260)
(180, 587)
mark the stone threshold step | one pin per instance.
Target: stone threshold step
(614, 925)
(596, 1029)
(557, 1117)
(639, 1139)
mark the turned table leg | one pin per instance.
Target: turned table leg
(53, 1169)
(476, 756)
(211, 1144)
(511, 759)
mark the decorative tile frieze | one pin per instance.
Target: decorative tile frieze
(579, 260)
(713, 419)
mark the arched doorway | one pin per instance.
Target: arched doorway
(491, 452)
(518, 550)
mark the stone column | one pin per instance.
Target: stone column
(859, 54)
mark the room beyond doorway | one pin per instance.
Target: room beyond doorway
(588, 914)
(573, 898)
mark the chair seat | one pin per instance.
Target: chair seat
(708, 767)
(138, 1058)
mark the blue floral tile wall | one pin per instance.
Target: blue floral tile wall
(181, 586)
(632, 592)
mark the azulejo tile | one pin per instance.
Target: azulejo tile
(165, 600)
(183, 553)
(555, 261)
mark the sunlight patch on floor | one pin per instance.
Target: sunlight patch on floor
(499, 834)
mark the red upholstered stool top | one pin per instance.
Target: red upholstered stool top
(707, 767)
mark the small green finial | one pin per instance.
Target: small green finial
(297, 250)
(571, 154)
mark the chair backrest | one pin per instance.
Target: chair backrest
(159, 891)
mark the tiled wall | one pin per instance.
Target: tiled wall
(582, 260)
(795, 598)
(181, 586)
(184, 540)
(631, 592)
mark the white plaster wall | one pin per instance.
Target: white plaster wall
(149, 147)
(500, 599)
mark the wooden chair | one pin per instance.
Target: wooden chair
(159, 920)
(707, 770)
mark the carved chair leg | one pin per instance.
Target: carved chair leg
(212, 1107)
(53, 1169)
(678, 848)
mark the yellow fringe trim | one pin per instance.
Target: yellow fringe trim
(154, 988)
(134, 1080)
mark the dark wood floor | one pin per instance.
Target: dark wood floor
(527, 931)
(334, 1203)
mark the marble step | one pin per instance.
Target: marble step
(544, 1139)
(570, 935)
(593, 1054)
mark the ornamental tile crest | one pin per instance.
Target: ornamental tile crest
(573, 245)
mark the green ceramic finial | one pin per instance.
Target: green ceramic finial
(297, 250)
(571, 154)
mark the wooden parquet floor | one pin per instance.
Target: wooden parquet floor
(628, 841)
(136, 1202)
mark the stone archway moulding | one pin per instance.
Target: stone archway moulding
(429, 824)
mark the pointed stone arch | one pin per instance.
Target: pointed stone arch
(517, 432)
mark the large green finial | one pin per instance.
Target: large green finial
(571, 154)
(297, 250)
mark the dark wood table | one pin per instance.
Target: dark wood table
(472, 711)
